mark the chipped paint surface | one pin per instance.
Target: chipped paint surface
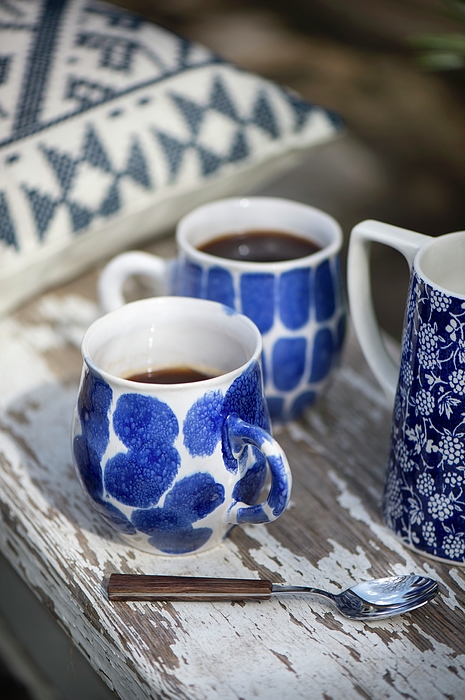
(288, 647)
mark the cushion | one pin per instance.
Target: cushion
(112, 128)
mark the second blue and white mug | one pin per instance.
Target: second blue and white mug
(298, 304)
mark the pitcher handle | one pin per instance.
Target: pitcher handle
(360, 298)
(240, 433)
(119, 269)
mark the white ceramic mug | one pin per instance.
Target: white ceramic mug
(173, 467)
(424, 497)
(298, 305)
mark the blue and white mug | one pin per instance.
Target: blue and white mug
(173, 467)
(298, 305)
(424, 496)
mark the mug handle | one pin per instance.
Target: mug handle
(360, 299)
(241, 434)
(119, 269)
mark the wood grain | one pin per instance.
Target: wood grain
(194, 588)
(331, 536)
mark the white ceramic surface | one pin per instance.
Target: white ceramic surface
(174, 466)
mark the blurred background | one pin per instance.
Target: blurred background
(395, 71)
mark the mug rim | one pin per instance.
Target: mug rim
(312, 260)
(145, 387)
(436, 241)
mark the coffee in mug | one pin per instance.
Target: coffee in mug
(297, 302)
(260, 246)
(171, 375)
(173, 467)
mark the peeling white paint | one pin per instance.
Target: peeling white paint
(22, 366)
(292, 647)
(70, 315)
(298, 434)
(63, 319)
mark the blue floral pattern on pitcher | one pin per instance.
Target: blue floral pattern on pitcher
(424, 499)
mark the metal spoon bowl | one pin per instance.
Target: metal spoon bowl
(371, 600)
(375, 599)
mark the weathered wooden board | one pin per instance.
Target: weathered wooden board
(331, 536)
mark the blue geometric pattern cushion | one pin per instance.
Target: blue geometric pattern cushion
(111, 128)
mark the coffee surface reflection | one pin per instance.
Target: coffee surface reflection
(260, 246)
(170, 375)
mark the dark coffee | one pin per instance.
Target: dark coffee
(260, 246)
(170, 375)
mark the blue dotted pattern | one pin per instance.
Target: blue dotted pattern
(276, 407)
(303, 400)
(220, 286)
(257, 299)
(278, 495)
(148, 428)
(243, 436)
(341, 332)
(203, 424)
(310, 305)
(288, 362)
(295, 298)
(114, 517)
(247, 489)
(93, 407)
(244, 398)
(170, 527)
(325, 295)
(188, 280)
(263, 367)
(145, 471)
(323, 355)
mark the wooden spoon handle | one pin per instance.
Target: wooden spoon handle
(142, 587)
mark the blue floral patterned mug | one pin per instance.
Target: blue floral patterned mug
(173, 467)
(297, 304)
(424, 497)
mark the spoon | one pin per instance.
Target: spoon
(375, 599)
